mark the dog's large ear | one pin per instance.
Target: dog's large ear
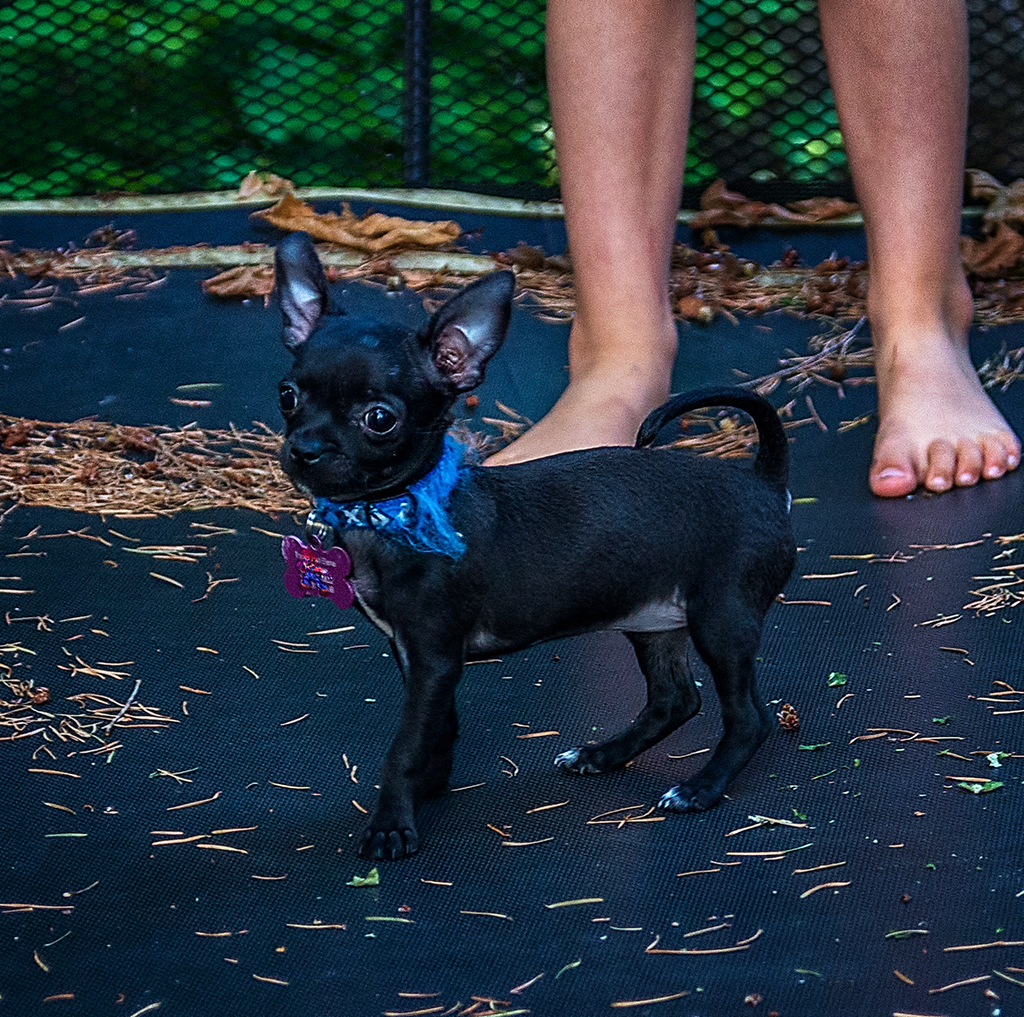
(466, 331)
(302, 285)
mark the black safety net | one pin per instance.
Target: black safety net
(187, 95)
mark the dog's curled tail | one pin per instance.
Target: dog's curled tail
(771, 463)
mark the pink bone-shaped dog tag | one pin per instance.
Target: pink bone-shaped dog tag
(314, 572)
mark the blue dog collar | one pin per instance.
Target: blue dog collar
(418, 518)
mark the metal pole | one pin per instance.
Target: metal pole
(416, 106)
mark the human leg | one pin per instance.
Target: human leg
(899, 75)
(620, 77)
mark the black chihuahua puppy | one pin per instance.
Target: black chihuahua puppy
(455, 561)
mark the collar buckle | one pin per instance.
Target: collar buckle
(319, 530)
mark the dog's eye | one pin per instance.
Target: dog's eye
(288, 397)
(380, 420)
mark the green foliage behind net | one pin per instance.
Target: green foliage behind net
(762, 98)
(181, 95)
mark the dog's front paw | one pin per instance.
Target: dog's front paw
(686, 798)
(576, 761)
(388, 841)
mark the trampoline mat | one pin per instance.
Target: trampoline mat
(202, 861)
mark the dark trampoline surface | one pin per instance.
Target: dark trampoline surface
(245, 909)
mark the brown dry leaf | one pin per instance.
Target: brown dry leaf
(982, 185)
(992, 256)
(16, 433)
(822, 208)
(717, 196)
(371, 233)
(694, 309)
(1008, 206)
(264, 185)
(417, 279)
(532, 259)
(721, 207)
(242, 281)
(1005, 204)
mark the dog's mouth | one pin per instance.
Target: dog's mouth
(326, 473)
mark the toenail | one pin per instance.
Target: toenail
(965, 479)
(938, 484)
(891, 471)
(1012, 461)
(993, 472)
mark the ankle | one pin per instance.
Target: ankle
(642, 354)
(906, 313)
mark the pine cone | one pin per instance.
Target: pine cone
(788, 717)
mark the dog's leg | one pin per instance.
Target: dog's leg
(672, 699)
(420, 751)
(727, 637)
(433, 782)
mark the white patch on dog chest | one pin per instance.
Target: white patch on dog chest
(376, 619)
(363, 597)
(656, 616)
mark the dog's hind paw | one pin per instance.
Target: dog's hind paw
(686, 799)
(388, 845)
(575, 761)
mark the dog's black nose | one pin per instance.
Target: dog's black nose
(306, 451)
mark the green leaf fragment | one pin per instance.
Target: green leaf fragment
(372, 878)
(569, 967)
(981, 787)
(835, 679)
(812, 748)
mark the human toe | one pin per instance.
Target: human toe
(1013, 455)
(1000, 453)
(941, 466)
(994, 457)
(969, 463)
(892, 475)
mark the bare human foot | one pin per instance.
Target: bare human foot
(899, 74)
(937, 426)
(612, 389)
(591, 412)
